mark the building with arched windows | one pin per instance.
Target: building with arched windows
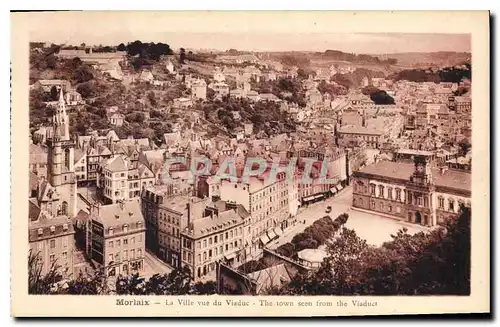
(413, 192)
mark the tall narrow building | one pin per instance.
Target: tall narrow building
(61, 172)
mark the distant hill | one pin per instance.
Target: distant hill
(429, 59)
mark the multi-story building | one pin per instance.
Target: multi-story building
(199, 89)
(51, 240)
(118, 238)
(218, 234)
(350, 136)
(166, 215)
(417, 193)
(120, 178)
(270, 203)
(95, 155)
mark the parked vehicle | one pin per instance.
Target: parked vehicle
(328, 209)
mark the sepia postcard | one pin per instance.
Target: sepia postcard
(263, 163)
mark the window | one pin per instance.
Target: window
(132, 254)
(372, 204)
(210, 241)
(198, 244)
(215, 239)
(52, 229)
(65, 255)
(205, 255)
(451, 205)
(65, 242)
(381, 191)
(110, 257)
(125, 241)
(125, 228)
(441, 202)
(419, 200)
(139, 253)
(210, 254)
(389, 193)
(132, 240)
(372, 189)
(199, 258)
(125, 254)
(117, 243)
(389, 208)
(117, 257)
(398, 194)
(110, 244)
(40, 231)
(204, 243)
(52, 258)
(52, 244)
(398, 209)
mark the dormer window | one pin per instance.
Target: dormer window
(65, 227)
(40, 231)
(125, 228)
(111, 231)
(52, 229)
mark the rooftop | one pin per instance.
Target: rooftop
(452, 178)
(126, 212)
(207, 225)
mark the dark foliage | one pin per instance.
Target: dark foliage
(436, 263)
(361, 58)
(152, 51)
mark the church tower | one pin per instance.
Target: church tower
(61, 171)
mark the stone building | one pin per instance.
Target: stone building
(416, 193)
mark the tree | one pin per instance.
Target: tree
(83, 74)
(87, 89)
(121, 47)
(39, 283)
(54, 93)
(151, 98)
(182, 56)
(465, 146)
(433, 263)
(51, 62)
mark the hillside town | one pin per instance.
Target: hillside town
(237, 169)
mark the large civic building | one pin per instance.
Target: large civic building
(413, 192)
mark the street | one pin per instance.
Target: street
(373, 228)
(153, 265)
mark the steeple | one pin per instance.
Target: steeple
(60, 120)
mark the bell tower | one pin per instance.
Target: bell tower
(61, 171)
(420, 193)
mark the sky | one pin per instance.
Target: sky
(244, 31)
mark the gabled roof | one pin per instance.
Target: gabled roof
(33, 210)
(117, 164)
(78, 154)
